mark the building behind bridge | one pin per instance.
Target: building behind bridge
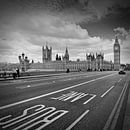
(93, 62)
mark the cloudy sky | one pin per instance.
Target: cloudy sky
(83, 26)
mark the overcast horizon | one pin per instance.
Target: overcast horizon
(84, 26)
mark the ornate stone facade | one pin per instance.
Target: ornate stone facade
(46, 54)
(116, 49)
(66, 56)
(92, 63)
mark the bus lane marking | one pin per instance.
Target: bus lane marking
(47, 94)
(74, 96)
(41, 116)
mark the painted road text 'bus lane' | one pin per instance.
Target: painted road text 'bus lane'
(40, 116)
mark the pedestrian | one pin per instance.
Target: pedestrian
(67, 71)
(4, 74)
(17, 71)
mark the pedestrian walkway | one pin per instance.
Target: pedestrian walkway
(126, 124)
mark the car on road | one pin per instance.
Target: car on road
(121, 72)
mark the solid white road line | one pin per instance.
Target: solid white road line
(112, 119)
(93, 96)
(107, 91)
(77, 120)
(119, 80)
(57, 91)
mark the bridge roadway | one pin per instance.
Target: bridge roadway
(82, 100)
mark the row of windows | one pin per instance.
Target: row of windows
(55, 65)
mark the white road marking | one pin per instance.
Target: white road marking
(93, 96)
(71, 95)
(28, 86)
(77, 120)
(45, 120)
(57, 91)
(107, 91)
(9, 122)
(47, 115)
(119, 80)
(74, 96)
(114, 115)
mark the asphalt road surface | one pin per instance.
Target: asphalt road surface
(79, 101)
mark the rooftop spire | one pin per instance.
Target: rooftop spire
(116, 40)
(66, 51)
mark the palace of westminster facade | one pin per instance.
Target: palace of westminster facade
(92, 62)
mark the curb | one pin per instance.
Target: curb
(115, 120)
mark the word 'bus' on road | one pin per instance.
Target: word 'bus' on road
(38, 117)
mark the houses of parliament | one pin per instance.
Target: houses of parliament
(93, 62)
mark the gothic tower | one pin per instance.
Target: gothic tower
(99, 61)
(89, 61)
(46, 54)
(66, 56)
(116, 49)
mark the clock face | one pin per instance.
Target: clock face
(116, 48)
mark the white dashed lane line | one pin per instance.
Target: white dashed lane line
(77, 120)
(119, 80)
(107, 91)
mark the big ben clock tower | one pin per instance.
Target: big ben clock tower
(116, 54)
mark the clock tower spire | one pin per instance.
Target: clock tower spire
(116, 49)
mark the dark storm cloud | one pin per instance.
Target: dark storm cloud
(117, 14)
(120, 14)
(99, 7)
(55, 5)
(74, 10)
(87, 13)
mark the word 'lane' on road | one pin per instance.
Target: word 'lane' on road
(73, 96)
